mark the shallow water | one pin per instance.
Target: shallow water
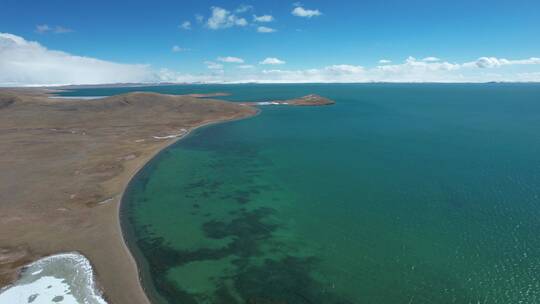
(63, 279)
(397, 194)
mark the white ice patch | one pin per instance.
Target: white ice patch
(64, 278)
(268, 103)
(103, 202)
(45, 290)
(182, 132)
(77, 97)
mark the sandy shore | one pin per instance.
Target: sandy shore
(65, 164)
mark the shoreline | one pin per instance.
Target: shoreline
(73, 161)
(71, 167)
(121, 204)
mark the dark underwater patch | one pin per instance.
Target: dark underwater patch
(284, 281)
(287, 280)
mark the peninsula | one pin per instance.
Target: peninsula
(308, 100)
(66, 162)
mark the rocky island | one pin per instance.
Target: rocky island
(309, 100)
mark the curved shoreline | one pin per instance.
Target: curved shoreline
(121, 204)
(70, 162)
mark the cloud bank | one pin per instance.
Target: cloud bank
(412, 70)
(493, 62)
(24, 63)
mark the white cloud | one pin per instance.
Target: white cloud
(199, 18)
(62, 30)
(186, 25)
(166, 75)
(532, 60)
(265, 29)
(25, 62)
(222, 18)
(411, 70)
(272, 60)
(385, 61)
(299, 11)
(177, 49)
(345, 69)
(241, 22)
(44, 28)
(431, 59)
(263, 18)
(493, 62)
(333, 73)
(245, 66)
(528, 77)
(489, 62)
(213, 65)
(243, 8)
(230, 59)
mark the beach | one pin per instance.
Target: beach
(66, 163)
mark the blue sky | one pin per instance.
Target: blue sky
(315, 40)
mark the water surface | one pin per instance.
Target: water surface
(397, 194)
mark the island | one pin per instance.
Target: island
(66, 162)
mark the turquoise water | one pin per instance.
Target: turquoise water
(409, 193)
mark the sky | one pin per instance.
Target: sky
(59, 42)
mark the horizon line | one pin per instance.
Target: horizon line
(142, 84)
